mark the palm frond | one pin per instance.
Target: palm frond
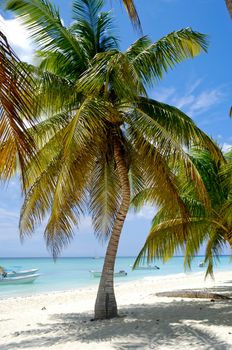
(93, 27)
(229, 6)
(56, 93)
(148, 134)
(182, 127)
(167, 238)
(151, 61)
(171, 232)
(214, 249)
(42, 19)
(111, 72)
(69, 201)
(105, 196)
(16, 109)
(132, 12)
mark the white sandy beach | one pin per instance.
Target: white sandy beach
(62, 320)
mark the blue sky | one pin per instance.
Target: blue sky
(201, 87)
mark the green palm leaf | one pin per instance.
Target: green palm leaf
(151, 60)
(172, 233)
(42, 19)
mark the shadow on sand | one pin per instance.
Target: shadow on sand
(183, 323)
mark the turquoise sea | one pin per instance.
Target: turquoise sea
(72, 273)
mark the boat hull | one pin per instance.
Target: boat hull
(21, 273)
(97, 274)
(147, 268)
(19, 279)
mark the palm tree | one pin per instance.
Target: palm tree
(15, 111)
(170, 232)
(102, 139)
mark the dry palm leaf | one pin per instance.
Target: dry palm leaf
(16, 94)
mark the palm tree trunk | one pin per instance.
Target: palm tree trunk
(106, 306)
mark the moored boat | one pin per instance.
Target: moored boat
(121, 273)
(147, 267)
(20, 273)
(19, 279)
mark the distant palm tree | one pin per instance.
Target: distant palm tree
(102, 139)
(15, 111)
(171, 233)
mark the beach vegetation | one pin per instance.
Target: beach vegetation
(101, 139)
(209, 228)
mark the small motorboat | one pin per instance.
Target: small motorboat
(147, 267)
(201, 264)
(18, 279)
(98, 274)
(20, 273)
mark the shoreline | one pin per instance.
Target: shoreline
(61, 320)
(94, 285)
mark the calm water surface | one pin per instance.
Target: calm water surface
(71, 273)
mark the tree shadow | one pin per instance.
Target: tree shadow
(142, 327)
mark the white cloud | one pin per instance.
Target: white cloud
(204, 101)
(147, 212)
(85, 224)
(18, 38)
(192, 87)
(164, 94)
(226, 147)
(181, 102)
(8, 214)
(192, 101)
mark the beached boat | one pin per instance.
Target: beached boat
(121, 273)
(147, 267)
(18, 279)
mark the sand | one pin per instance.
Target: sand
(62, 320)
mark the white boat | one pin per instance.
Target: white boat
(121, 273)
(148, 267)
(19, 279)
(21, 273)
(201, 264)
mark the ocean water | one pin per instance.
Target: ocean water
(72, 273)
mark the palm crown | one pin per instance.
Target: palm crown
(102, 140)
(209, 227)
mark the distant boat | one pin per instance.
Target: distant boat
(18, 279)
(147, 267)
(201, 264)
(98, 274)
